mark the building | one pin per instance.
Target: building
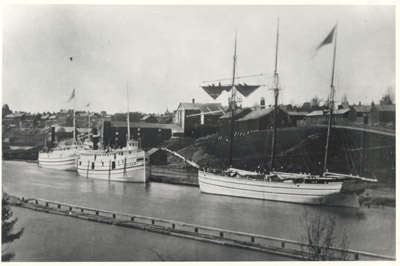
(149, 134)
(13, 120)
(262, 119)
(198, 119)
(341, 116)
(361, 116)
(225, 120)
(62, 116)
(297, 118)
(382, 115)
(43, 119)
(52, 121)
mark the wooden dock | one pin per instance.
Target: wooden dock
(260, 243)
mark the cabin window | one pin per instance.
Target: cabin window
(113, 165)
(92, 165)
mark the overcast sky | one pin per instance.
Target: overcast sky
(164, 53)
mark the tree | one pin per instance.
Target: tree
(319, 238)
(7, 225)
(5, 111)
(315, 101)
(388, 98)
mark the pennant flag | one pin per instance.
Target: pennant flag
(327, 40)
(245, 89)
(72, 96)
(88, 105)
(215, 91)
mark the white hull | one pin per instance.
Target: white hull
(58, 160)
(121, 165)
(304, 193)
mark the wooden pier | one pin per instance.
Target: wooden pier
(261, 243)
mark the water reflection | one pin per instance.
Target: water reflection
(370, 229)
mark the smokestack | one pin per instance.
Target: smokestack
(53, 136)
(262, 103)
(359, 103)
(193, 100)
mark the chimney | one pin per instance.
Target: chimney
(193, 100)
(53, 136)
(262, 103)
(359, 103)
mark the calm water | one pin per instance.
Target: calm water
(369, 229)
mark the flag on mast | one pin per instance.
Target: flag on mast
(328, 39)
(72, 96)
(88, 105)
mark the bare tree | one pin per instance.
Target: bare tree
(319, 238)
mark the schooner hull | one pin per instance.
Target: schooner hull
(315, 194)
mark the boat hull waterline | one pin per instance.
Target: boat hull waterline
(58, 160)
(124, 166)
(329, 194)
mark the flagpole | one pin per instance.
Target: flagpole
(331, 103)
(74, 125)
(128, 135)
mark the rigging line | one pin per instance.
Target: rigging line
(344, 144)
(237, 78)
(351, 157)
(365, 161)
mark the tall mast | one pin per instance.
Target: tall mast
(73, 118)
(232, 103)
(331, 104)
(276, 94)
(128, 135)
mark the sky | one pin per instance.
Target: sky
(162, 54)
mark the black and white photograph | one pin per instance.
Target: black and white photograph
(218, 132)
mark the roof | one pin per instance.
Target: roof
(256, 114)
(154, 150)
(362, 108)
(297, 113)
(45, 117)
(203, 107)
(386, 107)
(326, 112)
(173, 127)
(53, 117)
(147, 117)
(237, 112)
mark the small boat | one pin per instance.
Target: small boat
(329, 189)
(128, 164)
